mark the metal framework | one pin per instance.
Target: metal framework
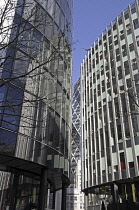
(75, 198)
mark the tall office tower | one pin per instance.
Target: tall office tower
(35, 102)
(110, 120)
(75, 198)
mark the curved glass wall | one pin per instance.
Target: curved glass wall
(109, 76)
(35, 93)
(75, 198)
(75, 144)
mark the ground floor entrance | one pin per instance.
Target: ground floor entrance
(20, 190)
(120, 195)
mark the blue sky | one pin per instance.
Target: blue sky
(90, 19)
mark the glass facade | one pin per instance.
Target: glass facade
(35, 87)
(75, 198)
(76, 135)
(21, 188)
(110, 126)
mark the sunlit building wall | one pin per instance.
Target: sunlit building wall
(75, 198)
(110, 121)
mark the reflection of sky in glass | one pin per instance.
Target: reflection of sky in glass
(1, 99)
(75, 127)
(40, 37)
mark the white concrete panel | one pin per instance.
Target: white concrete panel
(129, 154)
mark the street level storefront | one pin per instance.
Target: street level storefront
(115, 196)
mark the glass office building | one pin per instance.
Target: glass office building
(110, 120)
(75, 198)
(35, 101)
(76, 126)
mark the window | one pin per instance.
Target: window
(121, 146)
(40, 18)
(136, 23)
(100, 42)
(122, 32)
(102, 68)
(133, 9)
(115, 168)
(119, 72)
(128, 29)
(128, 81)
(114, 26)
(126, 66)
(122, 161)
(122, 37)
(131, 47)
(119, 128)
(110, 47)
(128, 143)
(57, 13)
(105, 48)
(104, 37)
(134, 64)
(124, 52)
(110, 40)
(118, 58)
(120, 21)
(131, 164)
(35, 44)
(116, 42)
(50, 7)
(24, 36)
(93, 63)
(101, 56)
(126, 16)
(75, 198)
(115, 37)
(109, 32)
(97, 58)
(137, 38)
(137, 143)
(117, 52)
(98, 76)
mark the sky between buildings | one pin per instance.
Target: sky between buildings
(90, 19)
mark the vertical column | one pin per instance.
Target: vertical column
(34, 195)
(43, 190)
(58, 198)
(53, 204)
(48, 196)
(133, 192)
(114, 191)
(13, 191)
(63, 201)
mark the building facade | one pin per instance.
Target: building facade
(75, 198)
(110, 123)
(35, 102)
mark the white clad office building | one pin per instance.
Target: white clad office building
(110, 115)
